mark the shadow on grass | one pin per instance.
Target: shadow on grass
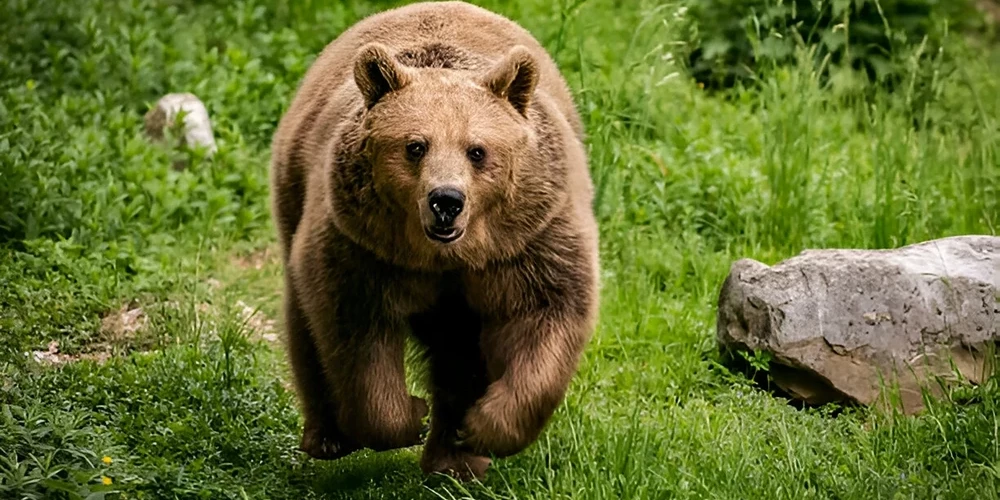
(389, 475)
(366, 474)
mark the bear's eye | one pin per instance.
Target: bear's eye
(476, 154)
(415, 150)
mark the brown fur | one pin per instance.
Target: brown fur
(505, 310)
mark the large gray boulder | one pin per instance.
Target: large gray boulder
(845, 325)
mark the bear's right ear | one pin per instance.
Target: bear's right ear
(377, 73)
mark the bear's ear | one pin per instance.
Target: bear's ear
(377, 73)
(514, 78)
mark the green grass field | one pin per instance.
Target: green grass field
(196, 403)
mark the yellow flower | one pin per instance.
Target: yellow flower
(106, 460)
(105, 480)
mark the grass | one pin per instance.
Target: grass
(196, 404)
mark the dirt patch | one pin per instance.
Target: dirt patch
(991, 8)
(259, 324)
(119, 328)
(52, 355)
(123, 324)
(122, 329)
(256, 260)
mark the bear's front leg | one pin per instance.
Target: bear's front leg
(352, 313)
(367, 373)
(321, 438)
(536, 357)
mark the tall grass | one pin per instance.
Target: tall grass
(92, 215)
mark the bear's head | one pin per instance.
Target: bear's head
(444, 167)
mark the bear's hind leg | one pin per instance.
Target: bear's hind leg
(453, 396)
(450, 333)
(321, 439)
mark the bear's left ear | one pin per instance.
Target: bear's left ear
(377, 73)
(514, 78)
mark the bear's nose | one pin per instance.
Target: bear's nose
(446, 203)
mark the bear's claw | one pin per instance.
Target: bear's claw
(460, 465)
(319, 445)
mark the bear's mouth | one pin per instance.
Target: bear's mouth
(443, 234)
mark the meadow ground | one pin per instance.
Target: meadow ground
(195, 403)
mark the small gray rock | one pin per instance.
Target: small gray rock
(842, 325)
(197, 125)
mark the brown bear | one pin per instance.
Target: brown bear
(430, 178)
